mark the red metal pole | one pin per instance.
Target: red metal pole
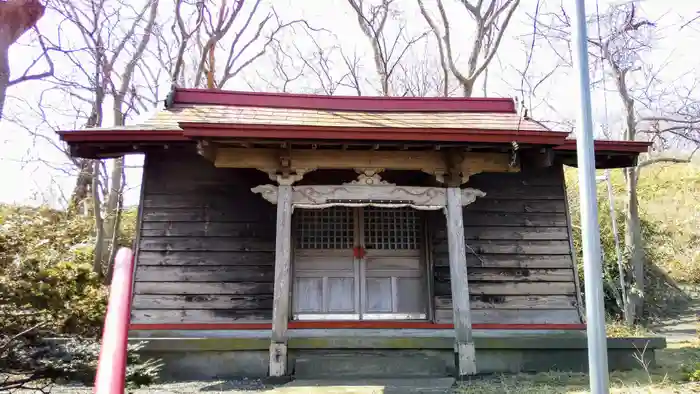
(111, 368)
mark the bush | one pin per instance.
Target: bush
(46, 272)
(48, 289)
(661, 292)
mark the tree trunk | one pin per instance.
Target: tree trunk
(635, 246)
(82, 186)
(99, 223)
(4, 74)
(110, 227)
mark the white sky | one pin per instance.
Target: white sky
(34, 171)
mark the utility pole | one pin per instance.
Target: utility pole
(592, 266)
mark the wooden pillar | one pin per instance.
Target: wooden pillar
(280, 302)
(464, 343)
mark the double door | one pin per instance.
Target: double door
(358, 264)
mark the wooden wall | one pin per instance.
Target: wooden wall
(518, 251)
(206, 246)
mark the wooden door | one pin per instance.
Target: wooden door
(332, 281)
(393, 274)
(326, 285)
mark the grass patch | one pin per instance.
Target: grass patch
(617, 329)
(670, 376)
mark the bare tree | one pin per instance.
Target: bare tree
(387, 49)
(112, 39)
(16, 18)
(648, 113)
(491, 18)
(241, 30)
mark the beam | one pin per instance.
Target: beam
(464, 343)
(282, 285)
(308, 159)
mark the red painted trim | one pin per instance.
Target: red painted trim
(295, 132)
(111, 367)
(200, 326)
(349, 324)
(122, 135)
(343, 103)
(610, 146)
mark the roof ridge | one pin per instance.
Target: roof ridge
(340, 103)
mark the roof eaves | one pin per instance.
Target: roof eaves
(610, 146)
(124, 135)
(208, 130)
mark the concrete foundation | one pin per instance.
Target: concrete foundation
(318, 354)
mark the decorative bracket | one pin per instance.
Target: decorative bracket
(361, 193)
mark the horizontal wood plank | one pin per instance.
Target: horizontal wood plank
(512, 247)
(164, 316)
(524, 180)
(519, 192)
(512, 288)
(231, 197)
(242, 214)
(476, 218)
(511, 275)
(510, 261)
(204, 288)
(517, 206)
(204, 274)
(206, 244)
(515, 316)
(235, 258)
(512, 302)
(150, 301)
(262, 230)
(510, 233)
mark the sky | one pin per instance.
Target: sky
(35, 171)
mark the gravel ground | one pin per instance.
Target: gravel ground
(402, 386)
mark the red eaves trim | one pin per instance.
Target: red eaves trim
(343, 103)
(610, 146)
(122, 135)
(292, 132)
(349, 324)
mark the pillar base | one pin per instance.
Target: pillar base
(466, 359)
(278, 359)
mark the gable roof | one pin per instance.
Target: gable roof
(193, 114)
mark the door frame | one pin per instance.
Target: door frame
(360, 275)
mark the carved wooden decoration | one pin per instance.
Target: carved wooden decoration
(368, 191)
(306, 160)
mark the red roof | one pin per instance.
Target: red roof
(343, 103)
(193, 114)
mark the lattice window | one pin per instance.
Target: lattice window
(388, 229)
(330, 228)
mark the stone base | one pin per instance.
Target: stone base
(415, 354)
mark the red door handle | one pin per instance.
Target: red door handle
(358, 252)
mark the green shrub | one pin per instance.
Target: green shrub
(46, 272)
(692, 372)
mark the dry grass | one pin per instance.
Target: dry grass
(669, 197)
(668, 377)
(617, 329)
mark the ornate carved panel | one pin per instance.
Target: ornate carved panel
(364, 193)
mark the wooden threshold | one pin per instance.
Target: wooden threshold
(349, 324)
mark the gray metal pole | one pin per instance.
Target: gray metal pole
(592, 268)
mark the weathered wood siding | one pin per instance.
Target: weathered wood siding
(206, 248)
(519, 259)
